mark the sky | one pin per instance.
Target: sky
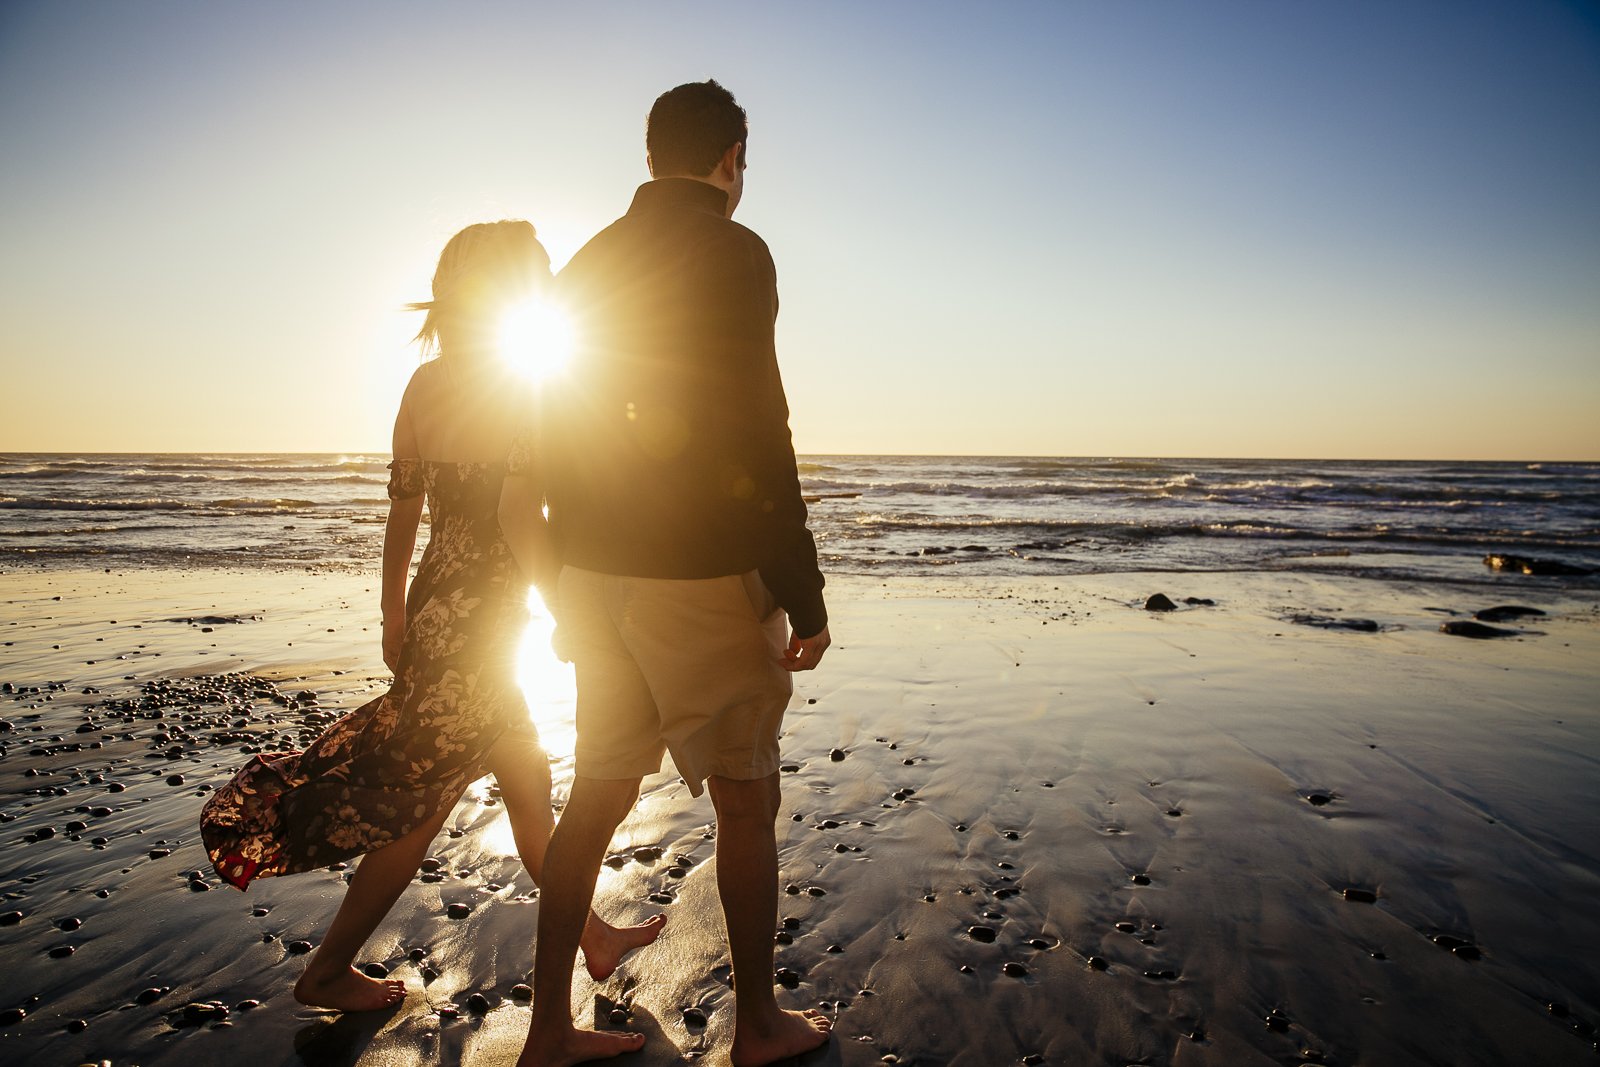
(1262, 228)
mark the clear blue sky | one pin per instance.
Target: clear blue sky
(1232, 228)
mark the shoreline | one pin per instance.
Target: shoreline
(1014, 756)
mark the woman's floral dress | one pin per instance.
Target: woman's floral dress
(387, 767)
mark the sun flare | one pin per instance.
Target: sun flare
(535, 339)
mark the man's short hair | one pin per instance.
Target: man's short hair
(691, 127)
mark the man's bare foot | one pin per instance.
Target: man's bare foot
(348, 990)
(789, 1034)
(577, 1046)
(604, 945)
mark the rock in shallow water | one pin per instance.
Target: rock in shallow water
(1477, 630)
(1159, 602)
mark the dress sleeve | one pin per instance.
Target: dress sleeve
(405, 479)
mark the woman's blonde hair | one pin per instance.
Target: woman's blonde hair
(482, 268)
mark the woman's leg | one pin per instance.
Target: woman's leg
(330, 979)
(522, 770)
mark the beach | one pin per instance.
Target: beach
(1025, 820)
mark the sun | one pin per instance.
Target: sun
(535, 339)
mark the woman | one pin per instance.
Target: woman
(381, 781)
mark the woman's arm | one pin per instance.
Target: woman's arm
(399, 542)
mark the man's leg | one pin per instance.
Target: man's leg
(747, 881)
(522, 770)
(571, 865)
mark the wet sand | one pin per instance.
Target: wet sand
(1024, 822)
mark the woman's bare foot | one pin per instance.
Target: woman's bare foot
(348, 990)
(578, 1046)
(604, 945)
(788, 1034)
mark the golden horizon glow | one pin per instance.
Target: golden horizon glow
(535, 339)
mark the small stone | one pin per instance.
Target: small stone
(1276, 1022)
(375, 970)
(1140, 879)
(618, 1017)
(478, 1004)
(1098, 963)
(449, 1012)
(298, 948)
(1317, 800)
(1015, 970)
(1159, 602)
(61, 952)
(428, 972)
(522, 991)
(149, 996)
(69, 924)
(12, 1016)
(984, 934)
(787, 978)
(1360, 896)
(247, 1005)
(694, 1017)
(77, 1026)
(1127, 927)
(10, 918)
(837, 755)
(175, 779)
(646, 854)
(458, 910)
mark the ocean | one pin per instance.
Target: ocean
(887, 515)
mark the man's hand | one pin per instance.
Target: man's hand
(804, 653)
(394, 637)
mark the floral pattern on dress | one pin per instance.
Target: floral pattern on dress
(391, 765)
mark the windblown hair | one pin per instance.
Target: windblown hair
(481, 269)
(690, 128)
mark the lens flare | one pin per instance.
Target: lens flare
(535, 339)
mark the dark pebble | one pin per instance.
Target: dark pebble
(1159, 602)
(375, 970)
(1015, 970)
(77, 1026)
(10, 918)
(522, 991)
(816, 891)
(76, 825)
(789, 768)
(618, 1016)
(12, 1016)
(197, 886)
(260, 913)
(1317, 800)
(1038, 943)
(694, 1017)
(837, 755)
(449, 1012)
(981, 933)
(428, 972)
(1360, 896)
(1127, 927)
(417, 955)
(1098, 963)
(431, 864)
(174, 779)
(299, 948)
(247, 1005)
(1463, 628)
(787, 978)
(115, 787)
(458, 911)
(646, 854)
(834, 949)
(1140, 879)
(160, 853)
(69, 924)
(1010, 835)
(1162, 976)
(1277, 1023)
(61, 952)
(478, 1004)
(149, 996)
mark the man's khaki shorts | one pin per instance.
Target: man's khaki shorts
(688, 666)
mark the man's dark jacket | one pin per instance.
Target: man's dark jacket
(667, 445)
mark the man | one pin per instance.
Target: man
(670, 478)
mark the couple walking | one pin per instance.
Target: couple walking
(676, 560)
